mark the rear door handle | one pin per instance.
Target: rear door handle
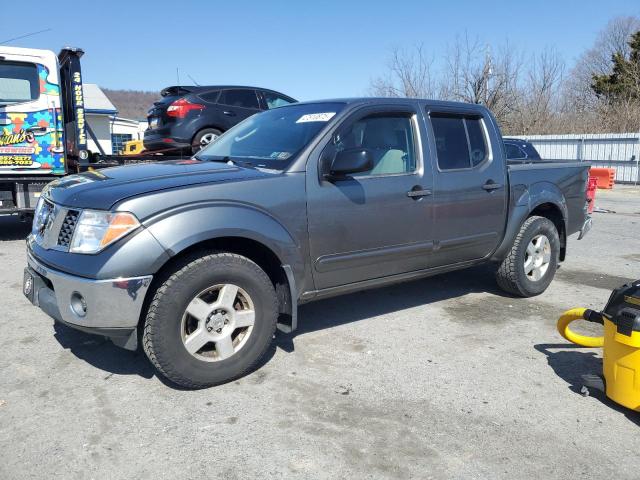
(418, 192)
(491, 185)
(229, 114)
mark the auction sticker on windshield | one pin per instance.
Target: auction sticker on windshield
(316, 117)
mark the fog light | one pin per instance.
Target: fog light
(78, 304)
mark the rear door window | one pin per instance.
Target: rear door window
(18, 82)
(240, 98)
(451, 143)
(460, 141)
(477, 143)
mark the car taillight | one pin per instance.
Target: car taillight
(181, 107)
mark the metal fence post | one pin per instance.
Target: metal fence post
(638, 161)
(581, 149)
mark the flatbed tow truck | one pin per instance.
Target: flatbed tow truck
(43, 128)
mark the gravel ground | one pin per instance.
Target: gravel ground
(440, 378)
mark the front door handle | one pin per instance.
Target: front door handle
(491, 185)
(418, 192)
(229, 114)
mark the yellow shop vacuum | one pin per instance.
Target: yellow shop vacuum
(620, 378)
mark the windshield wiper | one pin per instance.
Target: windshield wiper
(213, 159)
(225, 159)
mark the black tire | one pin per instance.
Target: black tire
(197, 142)
(511, 275)
(162, 334)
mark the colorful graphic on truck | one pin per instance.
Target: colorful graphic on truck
(33, 140)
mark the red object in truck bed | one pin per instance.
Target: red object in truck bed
(592, 187)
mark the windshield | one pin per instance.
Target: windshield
(273, 138)
(18, 82)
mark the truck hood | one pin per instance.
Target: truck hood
(101, 189)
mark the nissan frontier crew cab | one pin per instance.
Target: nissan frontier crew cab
(200, 260)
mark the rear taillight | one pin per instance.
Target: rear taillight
(592, 186)
(181, 107)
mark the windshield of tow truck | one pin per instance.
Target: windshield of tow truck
(18, 82)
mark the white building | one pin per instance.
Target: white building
(110, 130)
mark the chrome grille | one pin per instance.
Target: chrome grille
(53, 225)
(67, 228)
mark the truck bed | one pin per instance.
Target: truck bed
(569, 176)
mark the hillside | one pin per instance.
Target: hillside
(131, 103)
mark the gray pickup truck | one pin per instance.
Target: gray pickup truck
(201, 260)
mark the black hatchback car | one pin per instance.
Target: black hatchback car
(188, 118)
(518, 149)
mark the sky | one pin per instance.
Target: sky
(306, 49)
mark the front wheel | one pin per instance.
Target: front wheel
(533, 260)
(211, 321)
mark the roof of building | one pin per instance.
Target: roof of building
(95, 101)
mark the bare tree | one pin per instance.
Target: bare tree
(468, 68)
(409, 75)
(471, 73)
(476, 74)
(536, 104)
(527, 94)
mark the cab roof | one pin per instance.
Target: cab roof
(446, 104)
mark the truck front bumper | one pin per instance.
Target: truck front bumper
(105, 307)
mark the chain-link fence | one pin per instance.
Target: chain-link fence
(616, 150)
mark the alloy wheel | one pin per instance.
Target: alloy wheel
(217, 322)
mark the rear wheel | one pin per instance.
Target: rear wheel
(533, 260)
(211, 321)
(204, 138)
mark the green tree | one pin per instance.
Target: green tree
(623, 84)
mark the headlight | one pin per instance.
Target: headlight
(37, 221)
(97, 229)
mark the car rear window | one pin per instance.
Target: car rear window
(274, 100)
(531, 151)
(514, 152)
(18, 82)
(211, 96)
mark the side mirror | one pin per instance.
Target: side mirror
(351, 160)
